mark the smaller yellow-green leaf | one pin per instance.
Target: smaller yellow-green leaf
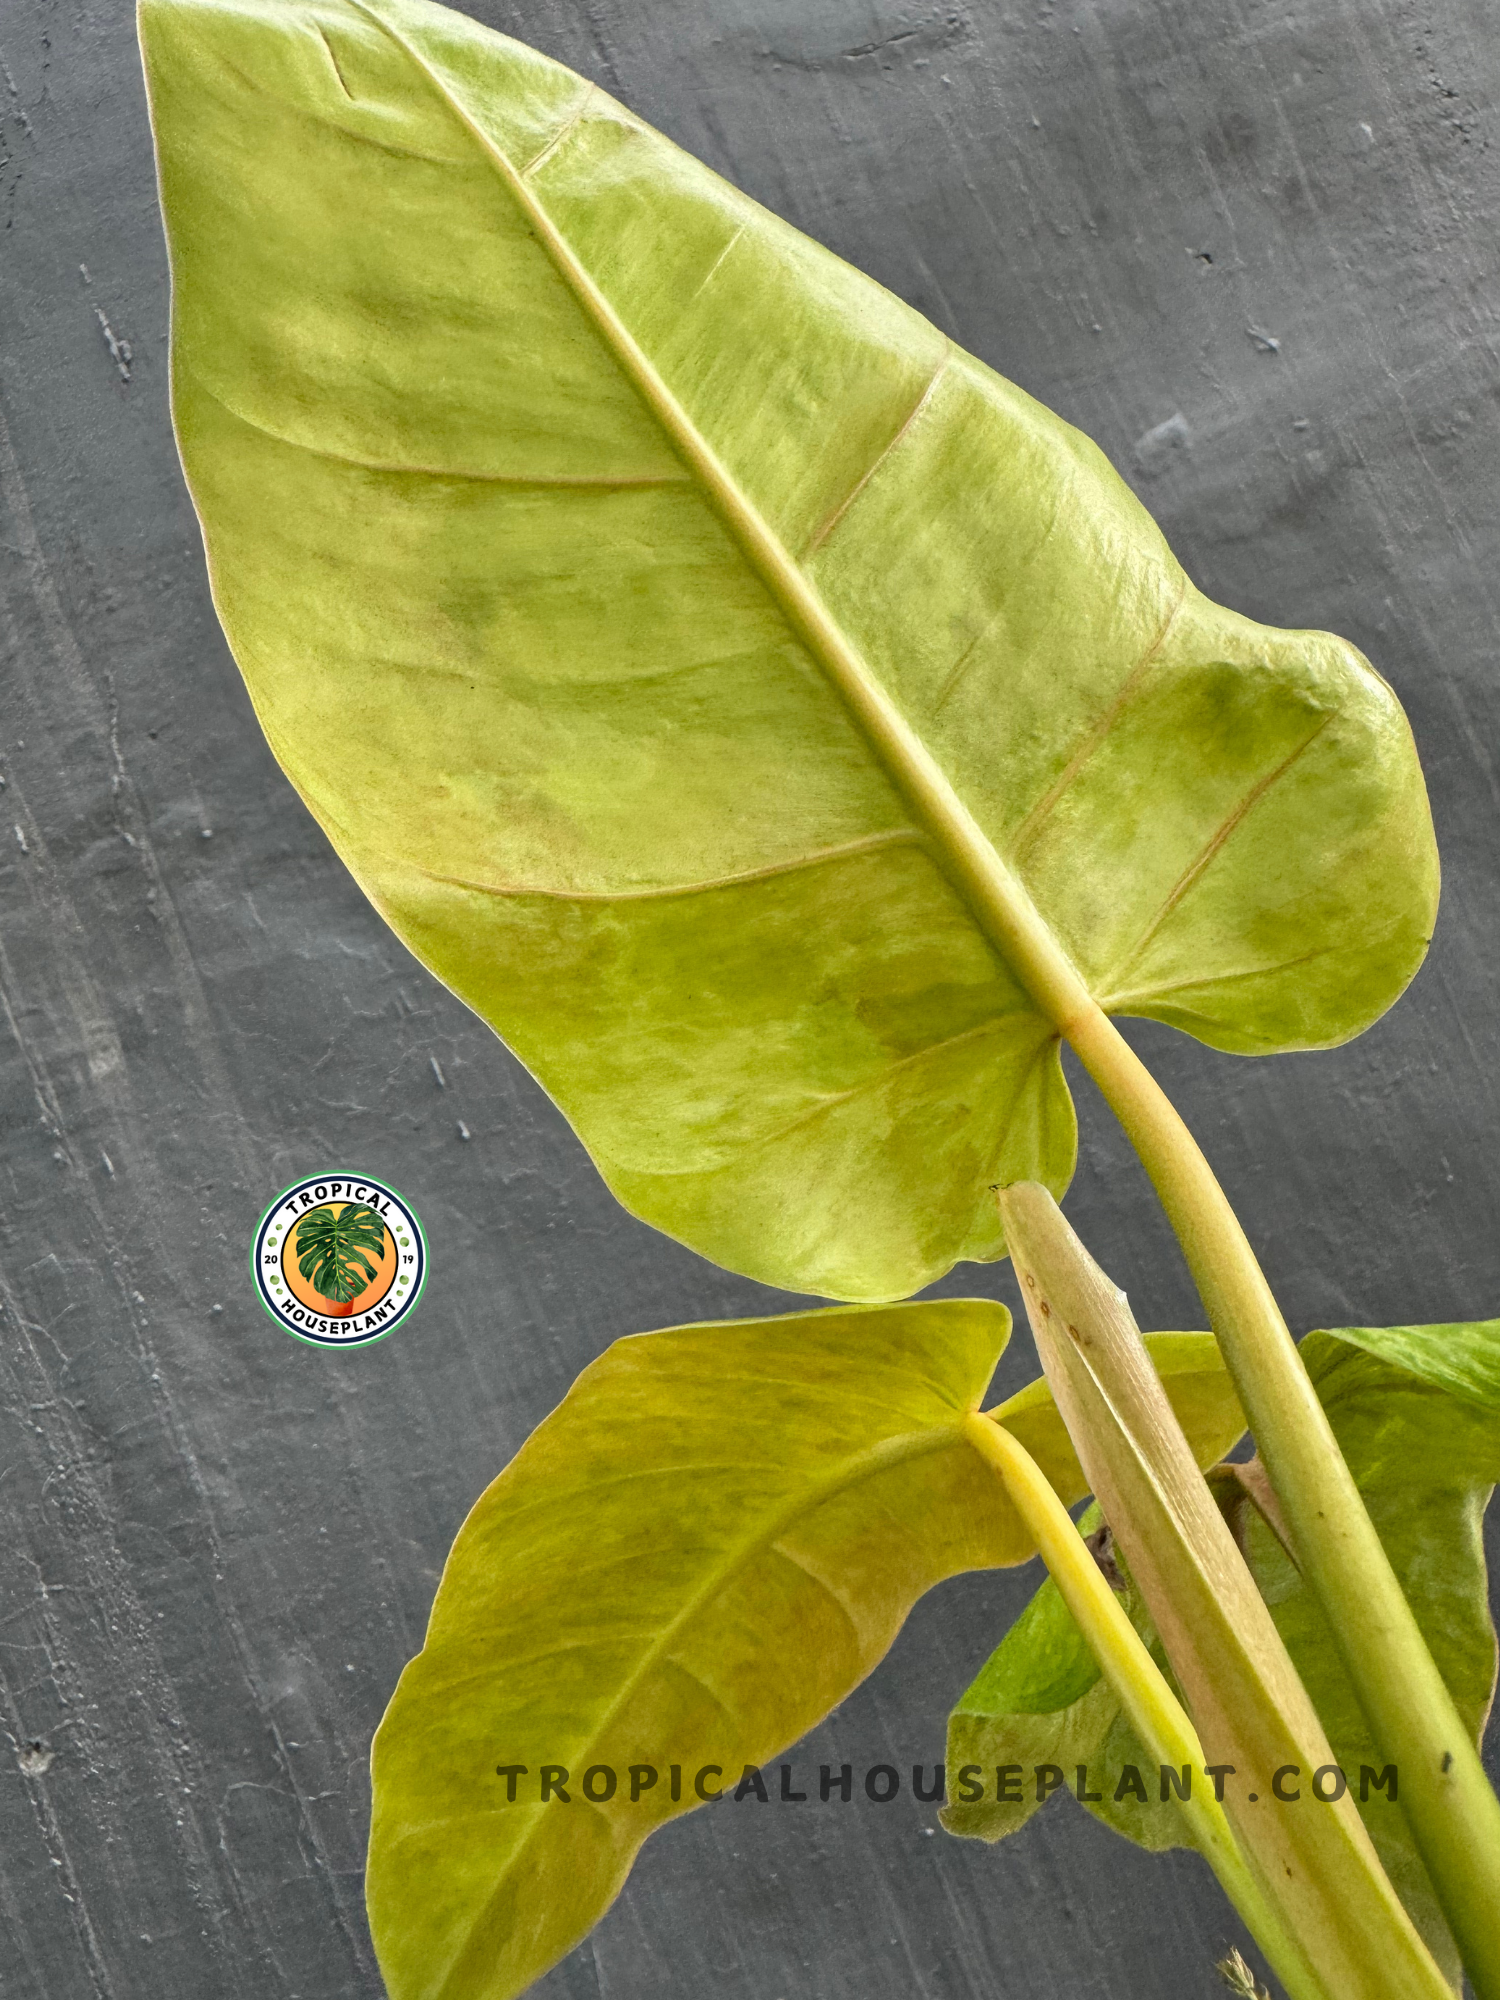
(706, 1546)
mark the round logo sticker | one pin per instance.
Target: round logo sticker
(339, 1260)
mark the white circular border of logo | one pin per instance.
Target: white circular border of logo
(300, 1321)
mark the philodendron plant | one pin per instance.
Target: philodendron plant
(786, 734)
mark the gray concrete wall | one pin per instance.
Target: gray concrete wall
(1253, 251)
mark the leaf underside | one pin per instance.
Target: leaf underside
(624, 508)
(1416, 1411)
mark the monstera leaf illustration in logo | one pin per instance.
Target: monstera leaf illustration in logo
(331, 1247)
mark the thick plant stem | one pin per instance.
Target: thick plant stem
(1154, 1711)
(1449, 1804)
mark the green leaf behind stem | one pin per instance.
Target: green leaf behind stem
(747, 701)
(1040, 1699)
(1422, 1439)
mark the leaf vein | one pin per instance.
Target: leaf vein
(830, 521)
(558, 137)
(713, 270)
(868, 843)
(1193, 873)
(833, 1596)
(871, 1083)
(334, 62)
(1117, 1002)
(1027, 832)
(603, 482)
(674, 1660)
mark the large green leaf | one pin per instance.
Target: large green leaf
(1422, 1438)
(756, 708)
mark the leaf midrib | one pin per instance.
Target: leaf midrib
(998, 901)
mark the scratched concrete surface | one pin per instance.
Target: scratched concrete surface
(1252, 250)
